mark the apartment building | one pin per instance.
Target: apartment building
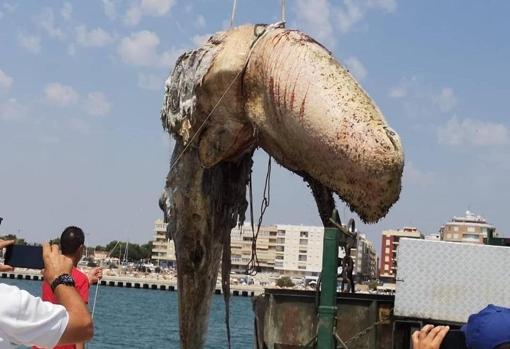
(293, 250)
(163, 250)
(365, 259)
(241, 240)
(389, 244)
(296, 250)
(470, 228)
(290, 249)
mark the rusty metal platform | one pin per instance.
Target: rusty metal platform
(287, 319)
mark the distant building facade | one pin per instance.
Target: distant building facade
(296, 250)
(163, 250)
(470, 228)
(389, 244)
(293, 250)
(365, 259)
(435, 237)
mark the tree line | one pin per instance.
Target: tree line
(135, 252)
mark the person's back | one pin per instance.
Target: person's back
(72, 243)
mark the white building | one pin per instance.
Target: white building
(299, 249)
(296, 250)
(470, 228)
(365, 259)
(163, 250)
(289, 249)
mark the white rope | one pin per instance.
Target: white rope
(95, 299)
(232, 17)
(98, 283)
(282, 10)
(254, 44)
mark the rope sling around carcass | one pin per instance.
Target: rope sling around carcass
(258, 36)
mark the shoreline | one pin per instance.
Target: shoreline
(139, 282)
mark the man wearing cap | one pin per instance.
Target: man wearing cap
(488, 329)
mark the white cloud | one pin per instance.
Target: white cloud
(472, 132)
(350, 14)
(12, 110)
(5, 80)
(200, 21)
(141, 49)
(446, 100)
(110, 9)
(31, 42)
(314, 16)
(168, 58)
(353, 11)
(151, 82)
(79, 125)
(199, 40)
(405, 87)
(60, 95)
(71, 50)
(10, 8)
(97, 104)
(93, 38)
(399, 91)
(66, 11)
(155, 8)
(385, 5)
(356, 67)
(47, 21)
(414, 175)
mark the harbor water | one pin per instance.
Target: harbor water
(136, 318)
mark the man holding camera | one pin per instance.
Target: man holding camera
(27, 320)
(72, 245)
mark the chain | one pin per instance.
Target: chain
(365, 331)
(253, 265)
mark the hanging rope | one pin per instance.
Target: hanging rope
(98, 283)
(232, 17)
(282, 10)
(253, 265)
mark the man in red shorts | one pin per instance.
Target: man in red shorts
(72, 245)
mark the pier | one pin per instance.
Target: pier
(142, 283)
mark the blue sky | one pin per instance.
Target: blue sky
(81, 86)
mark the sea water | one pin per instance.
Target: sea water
(136, 318)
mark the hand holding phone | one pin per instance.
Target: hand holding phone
(429, 337)
(454, 339)
(24, 256)
(4, 244)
